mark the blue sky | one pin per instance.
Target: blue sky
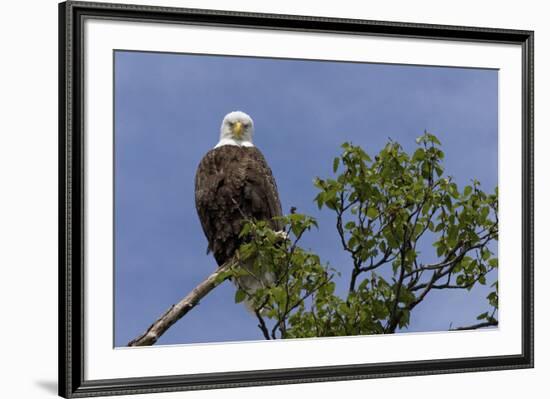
(168, 110)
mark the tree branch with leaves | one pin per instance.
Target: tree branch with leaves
(387, 211)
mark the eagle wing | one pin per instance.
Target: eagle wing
(233, 184)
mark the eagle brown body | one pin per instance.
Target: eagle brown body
(232, 184)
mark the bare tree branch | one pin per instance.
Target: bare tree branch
(489, 323)
(262, 326)
(394, 317)
(177, 311)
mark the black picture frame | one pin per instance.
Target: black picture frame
(71, 200)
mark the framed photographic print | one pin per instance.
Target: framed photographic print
(253, 199)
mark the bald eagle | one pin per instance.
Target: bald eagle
(234, 183)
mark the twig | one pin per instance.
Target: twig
(262, 325)
(177, 311)
(479, 325)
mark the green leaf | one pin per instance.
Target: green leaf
(485, 212)
(350, 225)
(246, 250)
(419, 155)
(335, 164)
(240, 295)
(320, 199)
(417, 230)
(363, 285)
(448, 203)
(426, 208)
(433, 139)
(483, 316)
(454, 191)
(404, 319)
(372, 213)
(425, 170)
(222, 276)
(245, 230)
(467, 190)
(278, 294)
(453, 233)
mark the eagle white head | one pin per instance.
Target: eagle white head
(237, 129)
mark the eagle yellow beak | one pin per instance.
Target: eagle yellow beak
(238, 130)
